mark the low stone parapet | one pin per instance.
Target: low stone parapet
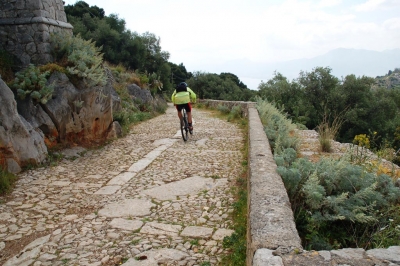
(215, 103)
(270, 218)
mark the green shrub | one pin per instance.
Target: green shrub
(223, 109)
(31, 81)
(336, 204)
(7, 180)
(279, 129)
(235, 113)
(80, 57)
(126, 118)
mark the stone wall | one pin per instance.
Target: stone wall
(26, 25)
(229, 104)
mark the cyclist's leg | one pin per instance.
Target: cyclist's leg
(179, 109)
(188, 108)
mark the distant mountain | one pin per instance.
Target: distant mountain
(342, 61)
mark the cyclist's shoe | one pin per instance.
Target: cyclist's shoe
(191, 129)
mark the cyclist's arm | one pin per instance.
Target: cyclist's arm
(173, 97)
(192, 95)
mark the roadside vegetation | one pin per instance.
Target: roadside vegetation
(349, 107)
(337, 203)
(7, 181)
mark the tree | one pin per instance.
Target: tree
(213, 86)
(119, 45)
(318, 86)
(286, 95)
(81, 7)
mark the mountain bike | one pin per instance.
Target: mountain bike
(184, 125)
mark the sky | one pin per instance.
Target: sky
(205, 34)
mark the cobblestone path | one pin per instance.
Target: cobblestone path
(146, 199)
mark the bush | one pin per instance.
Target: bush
(223, 109)
(32, 81)
(7, 180)
(336, 204)
(126, 119)
(81, 58)
(235, 113)
(279, 129)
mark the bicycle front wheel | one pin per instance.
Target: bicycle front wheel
(184, 126)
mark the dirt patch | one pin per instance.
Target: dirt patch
(310, 149)
(15, 247)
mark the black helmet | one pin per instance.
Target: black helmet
(182, 86)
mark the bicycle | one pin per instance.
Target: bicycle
(185, 126)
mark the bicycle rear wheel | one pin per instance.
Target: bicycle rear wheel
(184, 126)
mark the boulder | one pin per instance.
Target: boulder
(143, 99)
(20, 143)
(38, 119)
(139, 95)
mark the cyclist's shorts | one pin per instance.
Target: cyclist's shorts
(187, 106)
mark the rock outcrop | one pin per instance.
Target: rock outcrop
(74, 115)
(20, 143)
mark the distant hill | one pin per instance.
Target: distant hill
(342, 61)
(390, 80)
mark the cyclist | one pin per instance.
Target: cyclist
(181, 98)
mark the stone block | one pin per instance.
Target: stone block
(41, 13)
(52, 13)
(20, 4)
(30, 48)
(33, 4)
(197, 232)
(60, 16)
(25, 14)
(25, 38)
(43, 48)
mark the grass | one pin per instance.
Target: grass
(7, 181)
(135, 242)
(328, 130)
(194, 242)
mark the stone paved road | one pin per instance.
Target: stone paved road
(139, 200)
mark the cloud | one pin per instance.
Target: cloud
(210, 32)
(372, 5)
(329, 3)
(392, 24)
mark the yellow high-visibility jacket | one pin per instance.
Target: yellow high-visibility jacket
(183, 97)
